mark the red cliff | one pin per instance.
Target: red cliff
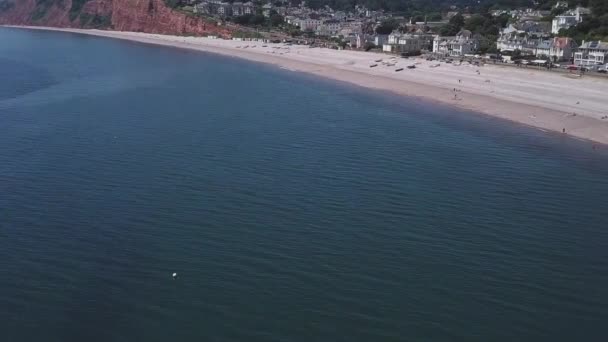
(151, 16)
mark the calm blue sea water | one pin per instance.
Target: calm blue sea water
(293, 209)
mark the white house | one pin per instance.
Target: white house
(462, 44)
(569, 19)
(248, 8)
(563, 22)
(361, 39)
(591, 53)
(329, 28)
(380, 39)
(266, 9)
(408, 43)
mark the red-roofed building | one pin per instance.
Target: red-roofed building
(562, 49)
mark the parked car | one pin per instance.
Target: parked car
(603, 71)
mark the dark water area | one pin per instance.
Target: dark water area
(293, 209)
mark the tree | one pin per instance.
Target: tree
(368, 46)
(457, 21)
(448, 30)
(453, 26)
(598, 7)
(276, 19)
(387, 26)
(257, 19)
(516, 54)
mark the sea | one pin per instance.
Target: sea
(292, 208)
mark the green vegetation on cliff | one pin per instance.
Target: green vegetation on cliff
(76, 8)
(42, 7)
(75, 12)
(5, 5)
(95, 21)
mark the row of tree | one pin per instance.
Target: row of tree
(258, 19)
(594, 27)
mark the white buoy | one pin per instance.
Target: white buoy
(174, 275)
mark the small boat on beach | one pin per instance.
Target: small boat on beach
(400, 69)
(373, 65)
(411, 66)
(378, 61)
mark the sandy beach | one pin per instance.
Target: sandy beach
(546, 100)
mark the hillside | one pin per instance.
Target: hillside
(151, 16)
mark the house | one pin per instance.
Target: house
(543, 49)
(308, 24)
(569, 19)
(562, 49)
(526, 37)
(362, 39)
(528, 28)
(380, 39)
(525, 45)
(224, 9)
(339, 15)
(591, 53)
(266, 9)
(463, 43)
(249, 8)
(214, 7)
(408, 42)
(328, 28)
(238, 9)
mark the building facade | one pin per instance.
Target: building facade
(563, 22)
(308, 24)
(463, 43)
(591, 53)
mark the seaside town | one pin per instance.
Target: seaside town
(521, 36)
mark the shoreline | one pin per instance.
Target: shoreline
(548, 101)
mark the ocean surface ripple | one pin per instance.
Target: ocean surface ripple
(293, 209)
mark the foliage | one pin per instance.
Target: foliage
(95, 21)
(275, 19)
(77, 6)
(42, 6)
(175, 3)
(485, 24)
(247, 34)
(386, 27)
(594, 27)
(368, 46)
(453, 26)
(249, 19)
(6, 5)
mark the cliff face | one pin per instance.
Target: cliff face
(151, 16)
